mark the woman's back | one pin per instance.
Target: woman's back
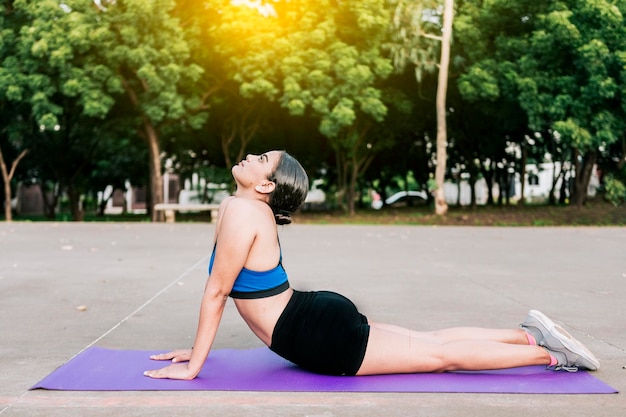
(247, 227)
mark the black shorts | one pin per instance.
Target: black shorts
(323, 332)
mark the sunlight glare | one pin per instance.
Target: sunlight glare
(265, 9)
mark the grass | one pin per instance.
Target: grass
(67, 217)
(594, 213)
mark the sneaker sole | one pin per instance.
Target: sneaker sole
(566, 339)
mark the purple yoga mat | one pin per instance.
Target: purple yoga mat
(98, 369)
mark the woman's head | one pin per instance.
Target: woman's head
(291, 187)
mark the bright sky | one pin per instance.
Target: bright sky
(265, 9)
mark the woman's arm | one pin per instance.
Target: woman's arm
(237, 233)
(211, 310)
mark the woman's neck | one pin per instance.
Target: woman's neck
(250, 194)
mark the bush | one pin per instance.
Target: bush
(615, 190)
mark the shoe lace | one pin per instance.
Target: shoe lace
(567, 368)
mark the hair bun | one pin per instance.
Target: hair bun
(282, 217)
(292, 186)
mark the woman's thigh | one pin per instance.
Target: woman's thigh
(392, 350)
(455, 334)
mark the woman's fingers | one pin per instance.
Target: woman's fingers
(154, 374)
(175, 371)
(180, 355)
(162, 356)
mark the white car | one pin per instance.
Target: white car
(401, 196)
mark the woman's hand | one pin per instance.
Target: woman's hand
(179, 355)
(174, 371)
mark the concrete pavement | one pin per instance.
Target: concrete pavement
(66, 286)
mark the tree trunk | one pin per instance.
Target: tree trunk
(49, 206)
(622, 160)
(500, 181)
(352, 182)
(8, 216)
(523, 173)
(489, 174)
(509, 180)
(583, 175)
(6, 178)
(555, 180)
(7, 189)
(227, 137)
(350, 192)
(564, 188)
(102, 207)
(154, 151)
(441, 207)
(472, 182)
(156, 178)
(74, 199)
(342, 182)
(105, 200)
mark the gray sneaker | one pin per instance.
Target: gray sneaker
(569, 352)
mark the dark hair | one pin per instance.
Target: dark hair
(292, 186)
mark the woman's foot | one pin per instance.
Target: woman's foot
(569, 353)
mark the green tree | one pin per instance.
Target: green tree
(8, 171)
(322, 58)
(566, 62)
(407, 153)
(572, 79)
(28, 79)
(143, 44)
(73, 62)
(487, 45)
(55, 74)
(12, 149)
(240, 37)
(344, 86)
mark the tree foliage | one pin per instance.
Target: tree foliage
(320, 58)
(74, 62)
(565, 62)
(94, 88)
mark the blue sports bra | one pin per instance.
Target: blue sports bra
(257, 284)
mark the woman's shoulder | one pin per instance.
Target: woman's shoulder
(225, 202)
(244, 208)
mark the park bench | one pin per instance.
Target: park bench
(170, 210)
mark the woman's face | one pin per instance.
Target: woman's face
(256, 169)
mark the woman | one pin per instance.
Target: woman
(323, 331)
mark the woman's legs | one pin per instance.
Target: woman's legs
(453, 334)
(392, 349)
